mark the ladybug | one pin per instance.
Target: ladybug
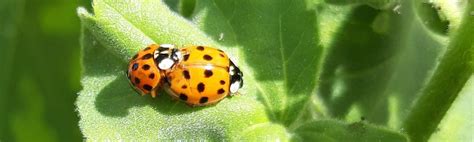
(202, 76)
(147, 68)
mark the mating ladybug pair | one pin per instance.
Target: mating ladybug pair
(197, 75)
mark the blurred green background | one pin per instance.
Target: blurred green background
(40, 66)
(39, 70)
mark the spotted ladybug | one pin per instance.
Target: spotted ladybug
(202, 76)
(146, 70)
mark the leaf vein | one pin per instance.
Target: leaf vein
(297, 46)
(284, 66)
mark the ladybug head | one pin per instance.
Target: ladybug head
(236, 81)
(166, 56)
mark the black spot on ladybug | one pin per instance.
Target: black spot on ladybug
(200, 87)
(135, 57)
(186, 57)
(135, 66)
(147, 87)
(184, 87)
(151, 76)
(147, 48)
(220, 91)
(146, 67)
(222, 82)
(220, 50)
(222, 55)
(200, 48)
(137, 81)
(186, 74)
(207, 57)
(147, 56)
(183, 97)
(203, 100)
(208, 73)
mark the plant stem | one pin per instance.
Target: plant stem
(452, 73)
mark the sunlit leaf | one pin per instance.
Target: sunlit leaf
(108, 106)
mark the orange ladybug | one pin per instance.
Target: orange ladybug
(147, 68)
(202, 76)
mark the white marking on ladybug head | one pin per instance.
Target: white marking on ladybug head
(155, 54)
(167, 45)
(164, 52)
(178, 54)
(231, 70)
(235, 86)
(166, 63)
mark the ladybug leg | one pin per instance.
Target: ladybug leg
(190, 105)
(153, 93)
(174, 99)
(170, 92)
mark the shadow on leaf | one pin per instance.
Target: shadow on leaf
(118, 97)
(278, 41)
(359, 66)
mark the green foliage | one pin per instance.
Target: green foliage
(335, 131)
(272, 36)
(108, 104)
(457, 125)
(448, 80)
(39, 70)
(312, 69)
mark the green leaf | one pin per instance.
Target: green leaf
(276, 44)
(36, 89)
(9, 17)
(377, 62)
(337, 131)
(452, 73)
(360, 60)
(431, 17)
(111, 110)
(359, 63)
(279, 47)
(187, 7)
